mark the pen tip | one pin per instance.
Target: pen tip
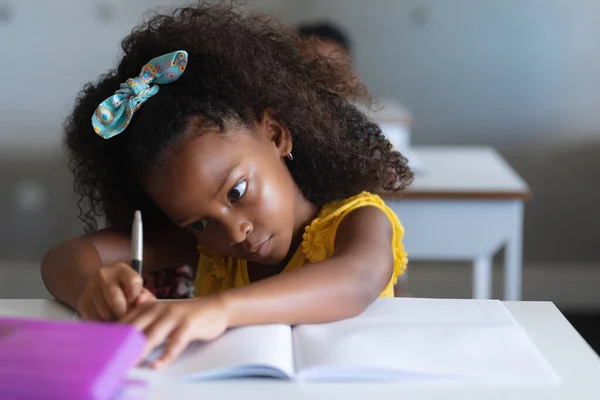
(137, 215)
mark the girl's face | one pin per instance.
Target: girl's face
(234, 192)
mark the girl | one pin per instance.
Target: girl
(248, 160)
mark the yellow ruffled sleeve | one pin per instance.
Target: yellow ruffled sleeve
(319, 237)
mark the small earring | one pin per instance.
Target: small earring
(290, 156)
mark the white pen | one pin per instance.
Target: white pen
(137, 242)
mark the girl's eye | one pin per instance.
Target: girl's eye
(198, 226)
(238, 191)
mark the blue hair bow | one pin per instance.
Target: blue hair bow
(114, 114)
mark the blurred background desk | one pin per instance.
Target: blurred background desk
(466, 204)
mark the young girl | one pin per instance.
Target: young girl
(247, 158)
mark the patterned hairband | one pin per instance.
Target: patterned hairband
(114, 114)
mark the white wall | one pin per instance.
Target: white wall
(493, 71)
(488, 71)
(50, 48)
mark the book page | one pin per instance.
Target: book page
(467, 341)
(264, 350)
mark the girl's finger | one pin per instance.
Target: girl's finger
(158, 331)
(115, 298)
(131, 282)
(102, 308)
(145, 315)
(135, 313)
(144, 297)
(88, 312)
(178, 341)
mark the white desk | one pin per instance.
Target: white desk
(466, 205)
(561, 345)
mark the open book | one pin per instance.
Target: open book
(463, 341)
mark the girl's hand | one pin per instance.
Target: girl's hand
(111, 293)
(179, 322)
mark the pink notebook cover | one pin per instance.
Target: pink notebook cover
(65, 360)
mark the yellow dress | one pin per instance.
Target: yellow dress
(216, 272)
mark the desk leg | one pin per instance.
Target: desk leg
(514, 257)
(482, 277)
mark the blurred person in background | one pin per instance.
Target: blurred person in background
(331, 41)
(395, 120)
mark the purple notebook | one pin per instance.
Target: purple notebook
(59, 359)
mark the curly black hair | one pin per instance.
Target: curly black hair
(240, 64)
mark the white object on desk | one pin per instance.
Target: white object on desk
(564, 349)
(466, 206)
(414, 162)
(397, 134)
(395, 122)
(469, 342)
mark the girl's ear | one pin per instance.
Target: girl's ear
(275, 132)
